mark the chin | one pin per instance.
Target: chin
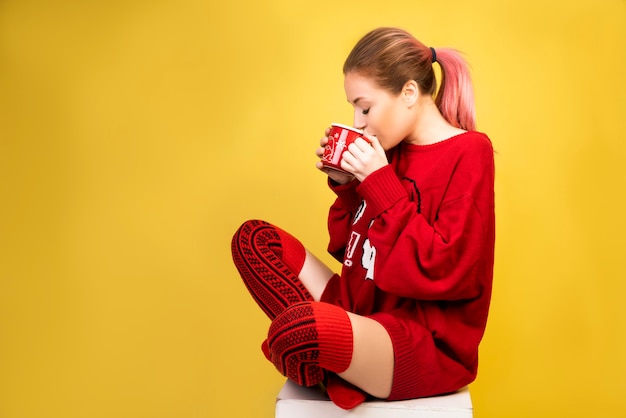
(387, 145)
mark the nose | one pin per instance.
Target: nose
(359, 120)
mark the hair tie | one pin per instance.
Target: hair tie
(434, 54)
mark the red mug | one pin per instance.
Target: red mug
(339, 138)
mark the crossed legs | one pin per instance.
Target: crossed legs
(308, 336)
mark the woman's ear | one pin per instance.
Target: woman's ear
(410, 93)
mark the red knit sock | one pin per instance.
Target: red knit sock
(342, 393)
(269, 261)
(308, 337)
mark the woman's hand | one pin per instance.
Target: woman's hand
(335, 175)
(362, 159)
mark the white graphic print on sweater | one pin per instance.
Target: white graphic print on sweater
(368, 256)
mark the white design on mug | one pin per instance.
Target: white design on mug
(334, 147)
(339, 146)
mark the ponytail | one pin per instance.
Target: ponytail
(455, 98)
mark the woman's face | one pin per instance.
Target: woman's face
(378, 112)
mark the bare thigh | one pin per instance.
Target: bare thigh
(372, 363)
(315, 275)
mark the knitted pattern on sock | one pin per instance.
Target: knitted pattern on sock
(310, 334)
(269, 261)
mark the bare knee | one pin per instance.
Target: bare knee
(314, 275)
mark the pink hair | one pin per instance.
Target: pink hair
(392, 56)
(455, 98)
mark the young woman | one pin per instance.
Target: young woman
(414, 226)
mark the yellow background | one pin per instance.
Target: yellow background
(135, 136)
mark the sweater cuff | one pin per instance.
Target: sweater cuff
(347, 193)
(382, 189)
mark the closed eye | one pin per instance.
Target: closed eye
(366, 111)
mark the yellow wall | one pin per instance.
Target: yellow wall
(135, 136)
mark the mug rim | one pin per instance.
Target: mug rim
(351, 128)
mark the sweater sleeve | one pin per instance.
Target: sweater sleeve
(415, 259)
(340, 216)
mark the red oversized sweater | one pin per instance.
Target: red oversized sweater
(416, 239)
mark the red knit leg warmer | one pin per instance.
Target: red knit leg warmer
(308, 337)
(269, 261)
